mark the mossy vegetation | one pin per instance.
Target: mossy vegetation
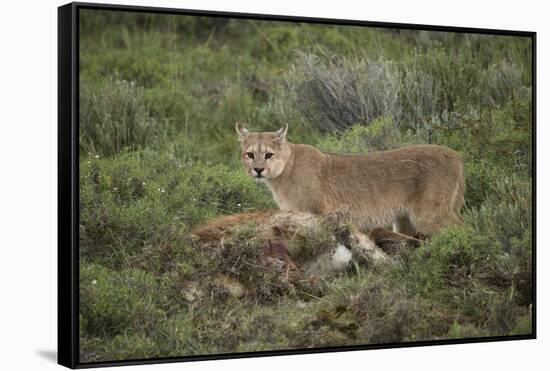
(160, 95)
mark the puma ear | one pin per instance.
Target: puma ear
(281, 133)
(242, 131)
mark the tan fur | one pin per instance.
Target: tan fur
(417, 189)
(214, 229)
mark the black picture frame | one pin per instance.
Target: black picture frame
(68, 182)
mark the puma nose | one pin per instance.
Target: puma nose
(259, 170)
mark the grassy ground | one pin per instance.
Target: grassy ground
(159, 155)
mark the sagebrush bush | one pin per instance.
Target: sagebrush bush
(116, 117)
(418, 96)
(336, 94)
(507, 211)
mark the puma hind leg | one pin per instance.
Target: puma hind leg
(402, 224)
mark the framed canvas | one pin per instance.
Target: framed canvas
(242, 185)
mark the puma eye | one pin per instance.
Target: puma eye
(268, 156)
(250, 155)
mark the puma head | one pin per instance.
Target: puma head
(264, 155)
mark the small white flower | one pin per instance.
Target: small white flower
(143, 183)
(96, 156)
(239, 205)
(94, 282)
(115, 189)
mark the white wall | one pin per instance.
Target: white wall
(28, 167)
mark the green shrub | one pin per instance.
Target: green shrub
(448, 259)
(334, 95)
(112, 302)
(136, 200)
(524, 325)
(424, 87)
(380, 134)
(483, 268)
(122, 347)
(481, 177)
(458, 331)
(506, 212)
(115, 118)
